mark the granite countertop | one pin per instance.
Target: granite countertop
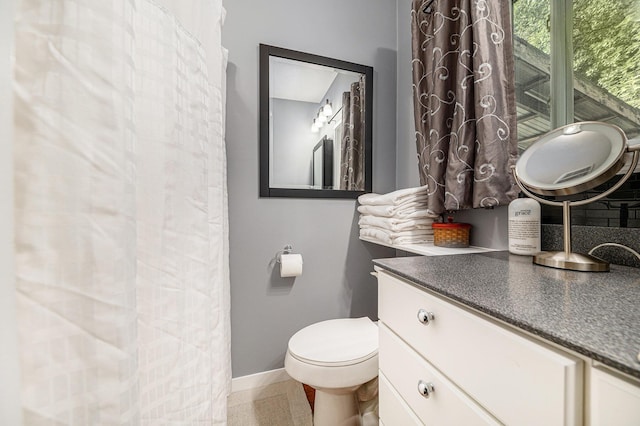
(596, 314)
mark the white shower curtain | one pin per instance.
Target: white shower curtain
(121, 212)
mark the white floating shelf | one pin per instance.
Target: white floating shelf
(428, 249)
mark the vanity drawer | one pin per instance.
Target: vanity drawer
(613, 400)
(516, 379)
(393, 409)
(404, 368)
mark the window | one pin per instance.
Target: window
(576, 61)
(580, 61)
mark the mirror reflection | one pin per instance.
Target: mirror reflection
(573, 158)
(323, 164)
(315, 135)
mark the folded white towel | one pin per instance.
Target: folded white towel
(395, 224)
(390, 238)
(407, 211)
(393, 198)
(389, 211)
(377, 234)
(401, 202)
(405, 233)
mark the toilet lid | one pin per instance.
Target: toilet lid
(336, 342)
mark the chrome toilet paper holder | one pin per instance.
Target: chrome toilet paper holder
(286, 250)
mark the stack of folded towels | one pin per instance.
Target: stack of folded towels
(399, 217)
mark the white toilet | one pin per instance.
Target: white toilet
(335, 357)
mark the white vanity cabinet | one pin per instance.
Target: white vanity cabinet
(612, 400)
(441, 364)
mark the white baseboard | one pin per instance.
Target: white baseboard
(257, 380)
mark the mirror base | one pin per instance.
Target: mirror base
(571, 261)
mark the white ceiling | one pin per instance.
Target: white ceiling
(286, 81)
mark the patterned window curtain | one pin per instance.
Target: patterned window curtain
(464, 102)
(352, 163)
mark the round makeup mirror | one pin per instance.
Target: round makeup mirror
(570, 160)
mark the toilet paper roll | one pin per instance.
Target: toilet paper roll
(290, 265)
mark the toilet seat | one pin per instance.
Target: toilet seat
(334, 357)
(336, 343)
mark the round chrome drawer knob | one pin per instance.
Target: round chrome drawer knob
(425, 388)
(425, 317)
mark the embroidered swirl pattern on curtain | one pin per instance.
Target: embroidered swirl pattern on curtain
(353, 128)
(464, 102)
(121, 215)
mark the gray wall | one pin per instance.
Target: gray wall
(267, 310)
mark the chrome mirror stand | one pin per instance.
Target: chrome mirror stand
(566, 259)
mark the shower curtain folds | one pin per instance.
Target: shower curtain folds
(121, 212)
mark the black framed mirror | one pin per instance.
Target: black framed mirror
(306, 103)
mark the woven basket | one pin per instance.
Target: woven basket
(451, 234)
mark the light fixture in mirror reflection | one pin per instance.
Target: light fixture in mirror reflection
(306, 102)
(324, 116)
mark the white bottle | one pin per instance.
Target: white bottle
(524, 226)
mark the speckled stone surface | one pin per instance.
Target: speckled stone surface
(594, 314)
(584, 238)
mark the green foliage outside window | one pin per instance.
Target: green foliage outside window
(606, 41)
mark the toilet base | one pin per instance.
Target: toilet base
(336, 407)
